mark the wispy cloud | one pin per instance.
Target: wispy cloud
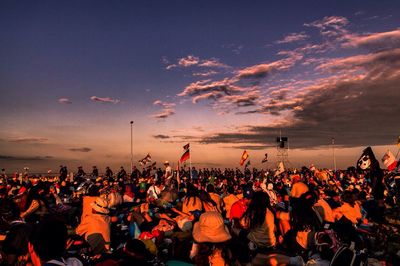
(205, 73)
(161, 136)
(28, 140)
(330, 26)
(167, 111)
(191, 61)
(64, 101)
(294, 37)
(374, 41)
(104, 99)
(24, 158)
(83, 149)
(263, 70)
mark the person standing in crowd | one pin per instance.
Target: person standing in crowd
(121, 174)
(63, 172)
(95, 172)
(135, 173)
(109, 174)
(168, 174)
(81, 172)
(195, 174)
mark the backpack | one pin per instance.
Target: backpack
(67, 262)
(348, 256)
(326, 239)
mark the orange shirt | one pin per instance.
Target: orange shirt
(217, 199)
(327, 213)
(298, 189)
(351, 213)
(192, 204)
(229, 201)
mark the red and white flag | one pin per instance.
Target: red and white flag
(389, 160)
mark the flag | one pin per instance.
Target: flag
(145, 160)
(389, 160)
(247, 164)
(245, 155)
(280, 169)
(186, 147)
(185, 156)
(265, 159)
(152, 165)
(367, 159)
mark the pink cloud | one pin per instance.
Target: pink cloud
(204, 86)
(104, 99)
(262, 70)
(64, 101)
(189, 60)
(365, 61)
(213, 62)
(167, 111)
(205, 73)
(195, 61)
(378, 39)
(332, 26)
(294, 37)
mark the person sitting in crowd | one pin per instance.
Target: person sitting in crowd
(47, 244)
(95, 226)
(224, 217)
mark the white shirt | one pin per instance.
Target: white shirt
(153, 192)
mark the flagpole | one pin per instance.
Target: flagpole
(190, 163)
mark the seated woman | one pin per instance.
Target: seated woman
(259, 219)
(191, 202)
(211, 238)
(206, 201)
(304, 222)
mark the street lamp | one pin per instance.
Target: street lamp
(131, 145)
(333, 151)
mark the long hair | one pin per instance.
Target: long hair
(303, 216)
(193, 193)
(205, 250)
(206, 198)
(257, 209)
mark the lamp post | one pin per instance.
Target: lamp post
(333, 151)
(131, 145)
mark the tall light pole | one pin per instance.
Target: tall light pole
(131, 145)
(333, 153)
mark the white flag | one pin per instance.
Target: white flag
(280, 169)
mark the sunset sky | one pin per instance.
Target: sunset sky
(223, 75)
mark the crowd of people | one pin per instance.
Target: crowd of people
(200, 217)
